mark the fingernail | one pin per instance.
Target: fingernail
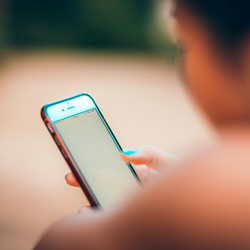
(129, 152)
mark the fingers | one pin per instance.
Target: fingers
(84, 209)
(145, 174)
(140, 170)
(141, 156)
(149, 156)
(70, 179)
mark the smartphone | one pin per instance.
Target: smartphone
(90, 149)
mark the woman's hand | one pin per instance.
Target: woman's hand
(147, 161)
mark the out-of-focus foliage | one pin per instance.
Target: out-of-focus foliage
(95, 24)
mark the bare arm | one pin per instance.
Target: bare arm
(203, 204)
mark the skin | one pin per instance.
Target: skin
(210, 71)
(200, 203)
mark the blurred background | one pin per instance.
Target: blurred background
(119, 52)
(130, 25)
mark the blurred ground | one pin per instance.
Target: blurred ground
(141, 98)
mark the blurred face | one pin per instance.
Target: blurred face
(211, 75)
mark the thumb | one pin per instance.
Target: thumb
(148, 155)
(142, 156)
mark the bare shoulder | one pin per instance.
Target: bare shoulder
(225, 166)
(204, 202)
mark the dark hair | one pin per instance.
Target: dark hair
(229, 19)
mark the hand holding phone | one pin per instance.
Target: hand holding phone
(90, 149)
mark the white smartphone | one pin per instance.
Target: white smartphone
(90, 149)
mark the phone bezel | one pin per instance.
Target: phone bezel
(66, 154)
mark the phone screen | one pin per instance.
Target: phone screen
(97, 157)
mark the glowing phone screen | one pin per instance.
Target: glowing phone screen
(97, 156)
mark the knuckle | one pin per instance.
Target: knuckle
(152, 153)
(149, 149)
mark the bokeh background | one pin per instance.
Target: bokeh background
(130, 25)
(119, 52)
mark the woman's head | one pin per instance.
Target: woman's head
(215, 36)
